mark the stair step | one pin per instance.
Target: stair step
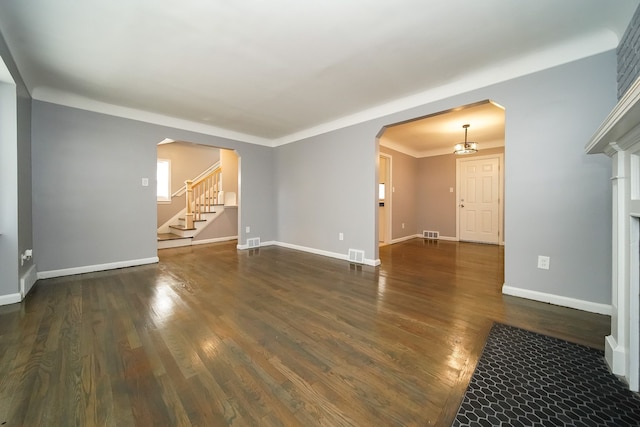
(195, 220)
(181, 227)
(170, 236)
(170, 240)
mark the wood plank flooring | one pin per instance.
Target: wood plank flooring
(212, 336)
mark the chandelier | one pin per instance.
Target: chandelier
(466, 147)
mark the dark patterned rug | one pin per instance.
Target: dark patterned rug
(528, 379)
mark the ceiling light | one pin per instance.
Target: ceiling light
(466, 147)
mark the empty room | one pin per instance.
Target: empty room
(332, 213)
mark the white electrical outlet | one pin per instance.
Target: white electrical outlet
(340, 236)
(248, 229)
(403, 225)
(543, 262)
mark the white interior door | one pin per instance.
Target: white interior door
(479, 210)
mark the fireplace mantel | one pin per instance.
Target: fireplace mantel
(619, 138)
(623, 119)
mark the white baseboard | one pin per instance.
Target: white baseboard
(214, 240)
(98, 267)
(10, 299)
(28, 280)
(419, 236)
(345, 257)
(174, 243)
(405, 238)
(615, 356)
(315, 251)
(592, 307)
(262, 244)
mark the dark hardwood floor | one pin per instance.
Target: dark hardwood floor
(212, 336)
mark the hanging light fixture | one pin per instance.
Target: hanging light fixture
(466, 147)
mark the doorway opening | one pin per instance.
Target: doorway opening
(428, 179)
(384, 199)
(197, 194)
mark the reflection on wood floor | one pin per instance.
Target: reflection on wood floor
(214, 336)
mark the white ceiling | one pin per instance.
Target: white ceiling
(437, 133)
(274, 71)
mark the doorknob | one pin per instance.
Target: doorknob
(461, 205)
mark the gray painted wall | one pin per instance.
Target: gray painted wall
(327, 185)
(404, 171)
(15, 177)
(225, 225)
(422, 199)
(89, 205)
(9, 282)
(435, 203)
(557, 197)
(25, 216)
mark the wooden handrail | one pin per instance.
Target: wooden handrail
(202, 194)
(180, 191)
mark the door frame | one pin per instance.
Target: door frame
(500, 157)
(388, 196)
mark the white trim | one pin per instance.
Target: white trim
(55, 96)
(97, 267)
(592, 307)
(614, 354)
(388, 204)
(616, 124)
(344, 257)
(27, 280)
(214, 240)
(563, 53)
(10, 299)
(174, 243)
(419, 236)
(619, 137)
(262, 244)
(405, 238)
(430, 153)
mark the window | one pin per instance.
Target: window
(381, 191)
(164, 180)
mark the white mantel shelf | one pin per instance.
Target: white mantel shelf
(624, 117)
(619, 138)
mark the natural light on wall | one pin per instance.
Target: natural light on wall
(164, 180)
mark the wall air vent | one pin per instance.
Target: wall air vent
(253, 242)
(356, 256)
(435, 235)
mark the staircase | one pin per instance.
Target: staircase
(204, 202)
(181, 235)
